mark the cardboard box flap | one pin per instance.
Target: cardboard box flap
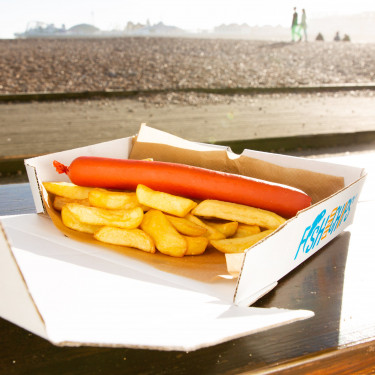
(17, 305)
(87, 300)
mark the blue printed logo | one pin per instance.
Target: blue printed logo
(322, 226)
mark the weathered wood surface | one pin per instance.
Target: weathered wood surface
(39, 128)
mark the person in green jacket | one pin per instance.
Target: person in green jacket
(295, 26)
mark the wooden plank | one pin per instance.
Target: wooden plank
(39, 128)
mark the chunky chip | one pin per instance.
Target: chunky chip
(166, 238)
(129, 219)
(212, 233)
(113, 200)
(186, 227)
(196, 245)
(245, 230)
(238, 212)
(60, 202)
(239, 245)
(136, 238)
(173, 225)
(228, 228)
(67, 189)
(71, 221)
(168, 203)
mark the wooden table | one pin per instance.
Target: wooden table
(337, 283)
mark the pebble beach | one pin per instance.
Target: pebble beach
(71, 65)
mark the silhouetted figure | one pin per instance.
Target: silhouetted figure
(319, 37)
(337, 37)
(303, 25)
(346, 38)
(294, 25)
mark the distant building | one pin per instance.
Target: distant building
(83, 29)
(43, 30)
(233, 28)
(130, 27)
(40, 30)
(159, 29)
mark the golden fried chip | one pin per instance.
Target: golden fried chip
(196, 245)
(186, 227)
(238, 212)
(168, 203)
(129, 219)
(113, 200)
(166, 238)
(136, 238)
(59, 202)
(228, 228)
(72, 222)
(239, 245)
(212, 233)
(245, 230)
(67, 189)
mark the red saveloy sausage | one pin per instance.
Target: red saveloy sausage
(184, 180)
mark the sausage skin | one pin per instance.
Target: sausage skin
(185, 180)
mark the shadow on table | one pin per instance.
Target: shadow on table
(316, 285)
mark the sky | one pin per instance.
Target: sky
(16, 15)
